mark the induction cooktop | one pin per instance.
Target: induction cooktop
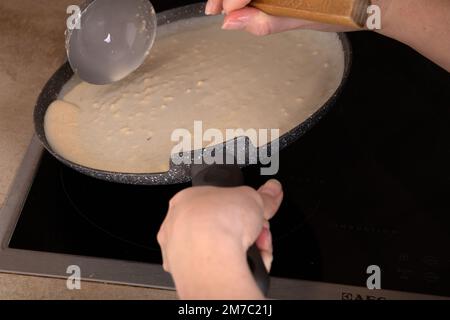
(369, 185)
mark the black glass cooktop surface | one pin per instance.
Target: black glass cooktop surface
(369, 185)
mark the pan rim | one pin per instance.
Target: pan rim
(179, 173)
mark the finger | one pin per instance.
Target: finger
(232, 5)
(272, 195)
(161, 238)
(264, 244)
(213, 7)
(165, 264)
(259, 23)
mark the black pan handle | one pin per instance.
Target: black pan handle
(231, 176)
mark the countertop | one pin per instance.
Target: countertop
(31, 49)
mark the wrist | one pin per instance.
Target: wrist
(214, 269)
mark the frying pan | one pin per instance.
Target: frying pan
(215, 175)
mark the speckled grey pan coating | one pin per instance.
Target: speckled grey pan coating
(177, 173)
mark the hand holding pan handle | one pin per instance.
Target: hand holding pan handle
(231, 176)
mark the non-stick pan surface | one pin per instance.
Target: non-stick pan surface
(177, 173)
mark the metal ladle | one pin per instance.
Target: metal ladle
(113, 39)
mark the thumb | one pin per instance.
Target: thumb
(272, 195)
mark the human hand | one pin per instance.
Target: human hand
(206, 235)
(238, 16)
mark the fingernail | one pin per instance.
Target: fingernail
(209, 8)
(236, 24)
(233, 25)
(272, 188)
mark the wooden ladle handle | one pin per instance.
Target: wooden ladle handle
(351, 13)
